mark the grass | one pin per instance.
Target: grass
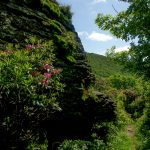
(120, 142)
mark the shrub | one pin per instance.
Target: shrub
(66, 14)
(52, 7)
(122, 81)
(30, 86)
(67, 46)
(82, 145)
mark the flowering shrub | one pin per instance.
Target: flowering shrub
(30, 86)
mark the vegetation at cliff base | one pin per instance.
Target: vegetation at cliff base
(131, 93)
(133, 87)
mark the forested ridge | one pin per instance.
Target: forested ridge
(54, 95)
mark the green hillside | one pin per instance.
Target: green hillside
(102, 66)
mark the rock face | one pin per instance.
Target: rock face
(47, 20)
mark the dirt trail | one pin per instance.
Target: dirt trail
(131, 130)
(131, 134)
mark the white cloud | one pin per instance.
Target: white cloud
(124, 48)
(98, 1)
(95, 36)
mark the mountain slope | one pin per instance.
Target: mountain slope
(103, 66)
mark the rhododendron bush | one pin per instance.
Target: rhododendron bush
(30, 86)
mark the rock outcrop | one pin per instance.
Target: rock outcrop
(47, 20)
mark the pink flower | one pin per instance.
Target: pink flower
(56, 71)
(48, 75)
(47, 66)
(45, 82)
(29, 46)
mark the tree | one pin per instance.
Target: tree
(124, 58)
(110, 53)
(130, 25)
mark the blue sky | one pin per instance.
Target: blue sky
(93, 39)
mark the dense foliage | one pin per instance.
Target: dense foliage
(132, 95)
(132, 25)
(29, 87)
